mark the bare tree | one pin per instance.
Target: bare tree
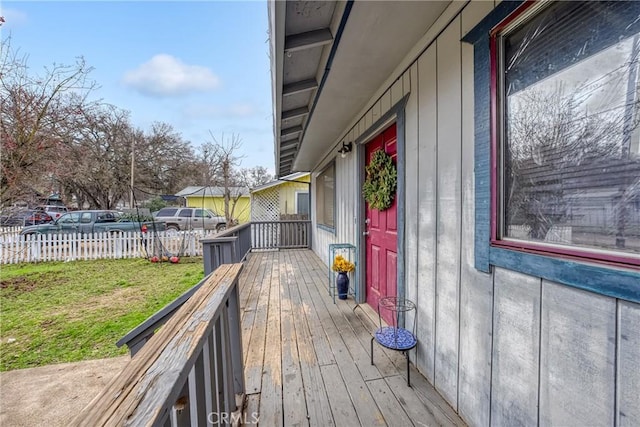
(97, 163)
(34, 110)
(221, 159)
(255, 176)
(165, 162)
(556, 149)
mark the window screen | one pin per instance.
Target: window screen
(569, 152)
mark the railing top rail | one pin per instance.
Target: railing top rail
(144, 392)
(284, 221)
(218, 239)
(161, 316)
(229, 232)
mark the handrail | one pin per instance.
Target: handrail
(139, 336)
(190, 371)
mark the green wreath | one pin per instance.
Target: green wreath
(380, 184)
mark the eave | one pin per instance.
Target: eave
(328, 58)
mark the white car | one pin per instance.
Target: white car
(190, 218)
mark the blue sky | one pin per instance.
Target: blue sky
(200, 66)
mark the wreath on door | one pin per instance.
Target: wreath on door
(379, 187)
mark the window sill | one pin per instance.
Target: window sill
(611, 281)
(331, 230)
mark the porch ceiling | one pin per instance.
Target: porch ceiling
(328, 58)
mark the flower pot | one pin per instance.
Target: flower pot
(342, 283)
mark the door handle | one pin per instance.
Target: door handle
(365, 233)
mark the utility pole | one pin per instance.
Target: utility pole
(132, 171)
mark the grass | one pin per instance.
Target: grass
(65, 312)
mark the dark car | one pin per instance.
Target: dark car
(22, 217)
(37, 217)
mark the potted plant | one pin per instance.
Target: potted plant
(342, 266)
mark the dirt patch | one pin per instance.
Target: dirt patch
(20, 284)
(49, 322)
(28, 283)
(117, 302)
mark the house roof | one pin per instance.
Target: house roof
(199, 191)
(328, 59)
(288, 178)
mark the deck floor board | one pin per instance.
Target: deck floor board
(308, 359)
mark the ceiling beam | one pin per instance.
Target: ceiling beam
(290, 131)
(288, 144)
(296, 112)
(307, 40)
(289, 148)
(297, 87)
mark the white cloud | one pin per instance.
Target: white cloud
(164, 75)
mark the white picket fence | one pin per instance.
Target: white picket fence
(71, 247)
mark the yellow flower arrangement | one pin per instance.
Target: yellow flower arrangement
(340, 264)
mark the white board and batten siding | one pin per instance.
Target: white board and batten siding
(502, 348)
(346, 206)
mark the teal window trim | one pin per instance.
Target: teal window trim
(605, 280)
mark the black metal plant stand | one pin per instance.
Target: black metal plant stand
(393, 336)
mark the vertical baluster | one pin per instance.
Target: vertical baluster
(207, 365)
(181, 411)
(235, 339)
(217, 370)
(197, 391)
(227, 369)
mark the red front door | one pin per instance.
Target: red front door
(382, 237)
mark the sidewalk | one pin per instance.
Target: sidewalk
(53, 395)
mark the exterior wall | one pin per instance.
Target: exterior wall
(281, 197)
(503, 348)
(288, 194)
(242, 209)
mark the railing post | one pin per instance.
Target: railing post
(207, 256)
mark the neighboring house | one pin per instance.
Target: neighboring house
(213, 198)
(286, 198)
(475, 102)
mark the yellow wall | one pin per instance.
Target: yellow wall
(288, 193)
(241, 212)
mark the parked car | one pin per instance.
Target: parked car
(37, 217)
(92, 221)
(54, 211)
(22, 217)
(190, 218)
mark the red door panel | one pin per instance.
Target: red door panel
(382, 240)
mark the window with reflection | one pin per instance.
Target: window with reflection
(325, 196)
(567, 146)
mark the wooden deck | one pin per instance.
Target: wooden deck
(307, 360)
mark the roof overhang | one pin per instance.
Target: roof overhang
(327, 59)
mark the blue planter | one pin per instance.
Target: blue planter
(342, 283)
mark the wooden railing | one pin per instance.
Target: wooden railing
(189, 373)
(280, 234)
(233, 244)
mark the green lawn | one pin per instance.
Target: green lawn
(63, 312)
